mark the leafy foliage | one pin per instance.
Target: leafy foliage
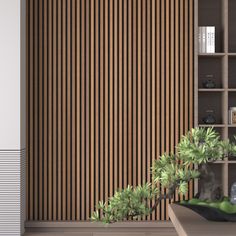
(129, 202)
(198, 146)
(172, 174)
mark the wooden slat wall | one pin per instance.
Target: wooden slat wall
(110, 88)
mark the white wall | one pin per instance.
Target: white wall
(12, 117)
(12, 74)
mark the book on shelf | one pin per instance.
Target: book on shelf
(232, 115)
(206, 39)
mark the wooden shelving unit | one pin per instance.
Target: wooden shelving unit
(222, 65)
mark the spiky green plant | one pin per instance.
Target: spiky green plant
(172, 171)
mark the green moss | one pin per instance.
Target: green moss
(225, 205)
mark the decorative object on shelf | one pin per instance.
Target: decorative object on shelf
(232, 115)
(233, 193)
(206, 39)
(209, 118)
(200, 147)
(209, 82)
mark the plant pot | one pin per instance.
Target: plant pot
(211, 213)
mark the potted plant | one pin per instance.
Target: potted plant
(199, 147)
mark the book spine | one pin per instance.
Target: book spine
(230, 117)
(199, 39)
(203, 39)
(233, 117)
(208, 39)
(213, 39)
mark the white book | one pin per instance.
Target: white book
(210, 39)
(213, 39)
(203, 39)
(200, 39)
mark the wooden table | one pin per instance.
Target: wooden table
(189, 223)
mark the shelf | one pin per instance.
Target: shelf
(220, 68)
(231, 99)
(231, 176)
(218, 54)
(213, 67)
(211, 125)
(225, 162)
(232, 133)
(220, 162)
(217, 90)
(231, 25)
(232, 72)
(211, 90)
(232, 162)
(231, 126)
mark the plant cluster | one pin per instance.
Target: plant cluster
(130, 202)
(171, 171)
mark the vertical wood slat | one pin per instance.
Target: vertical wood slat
(92, 109)
(97, 197)
(144, 91)
(172, 78)
(40, 111)
(186, 70)
(50, 107)
(148, 92)
(101, 93)
(68, 110)
(176, 71)
(54, 116)
(162, 78)
(191, 76)
(35, 109)
(158, 103)
(116, 95)
(63, 109)
(153, 81)
(110, 88)
(73, 110)
(167, 87)
(59, 119)
(134, 88)
(45, 119)
(30, 127)
(139, 91)
(125, 92)
(78, 110)
(111, 96)
(106, 102)
(87, 116)
(130, 153)
(181, 69)
(120, 91)
(83, 110)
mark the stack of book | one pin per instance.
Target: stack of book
(206, 39)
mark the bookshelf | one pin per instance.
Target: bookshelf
(222, 65)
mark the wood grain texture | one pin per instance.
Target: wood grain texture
(59, 119)
(111, 96)
(110, 88)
